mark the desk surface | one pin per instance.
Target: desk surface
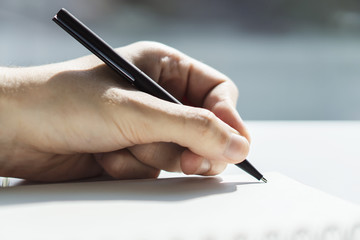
(325, 155)
(233, 207)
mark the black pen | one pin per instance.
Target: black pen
(124, 68)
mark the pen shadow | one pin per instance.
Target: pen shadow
(162, 190)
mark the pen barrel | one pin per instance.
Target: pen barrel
(106, 53)
(250, 169)
(153, 88)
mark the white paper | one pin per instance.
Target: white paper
(225, 207)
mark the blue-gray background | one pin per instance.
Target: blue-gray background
(292, 60)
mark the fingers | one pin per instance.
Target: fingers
(187, 78)
(178, 73)
(160, 155)
(225, 111)
(195, 128)
(192, 163)
(173, 158)
(217, 134)
(220, 95)
(123, 165)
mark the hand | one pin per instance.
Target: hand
(72, 120)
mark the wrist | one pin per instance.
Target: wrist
(16, 85)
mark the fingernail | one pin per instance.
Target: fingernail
(204, 167)
(237, 148)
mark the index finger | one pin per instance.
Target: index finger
(185, 77)
(207, 88)
(178, 73)
(214, 91)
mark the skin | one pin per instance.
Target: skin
(73, 120)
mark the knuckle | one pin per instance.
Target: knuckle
(207, 126)
(204, 121)
(153, 47)
(234, 88)
(113, 96)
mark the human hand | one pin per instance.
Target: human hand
(73, 120)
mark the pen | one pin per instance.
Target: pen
(124, 68)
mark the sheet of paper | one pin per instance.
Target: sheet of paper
(224, 207)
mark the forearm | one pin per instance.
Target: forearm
(16, 85)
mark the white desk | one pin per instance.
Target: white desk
(325, 155)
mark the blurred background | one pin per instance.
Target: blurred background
(292, 60)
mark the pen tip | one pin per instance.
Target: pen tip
(263, 179)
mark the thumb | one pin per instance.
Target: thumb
(197, 129)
